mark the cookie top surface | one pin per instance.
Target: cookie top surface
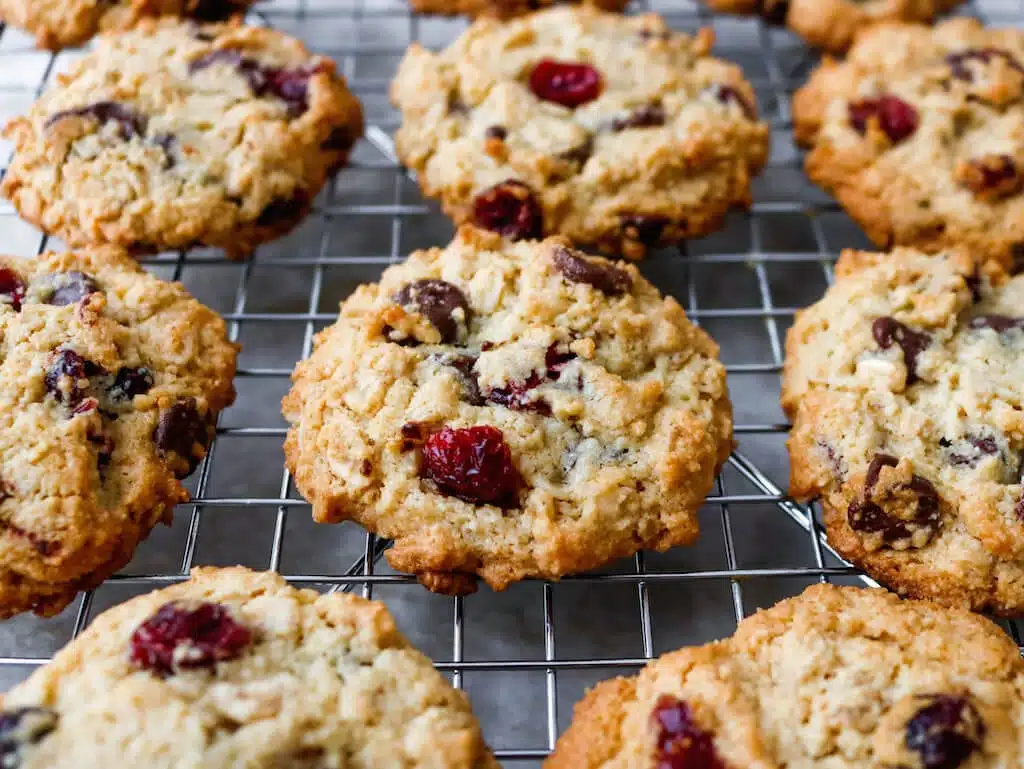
(510, 410)
(834, 24)
(236, 668)
(504, 9)
(111, 380)
(60, 24)
(176, 134)
(614, 131)
(904, 390)
(843, 678)
(920, 134)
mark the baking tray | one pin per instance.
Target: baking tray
(525, 655)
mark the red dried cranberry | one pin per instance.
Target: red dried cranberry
(990, 177)
(945, 732)
(443, 304)
(129, 382)
(514, 396)
(566, 83)
(509, 208)
(181, 636)
(969, 450)
(20, 728)
(289, 85)
(680, 743)
(647, 116)
(998, 323)
(895, 117)
(67, 378)
(958, 61)
(473, 464)
(12, 288)
(604, 277)
(888, 331)
(867, 516)
(69, 287)
(129, 122)
(727, 94)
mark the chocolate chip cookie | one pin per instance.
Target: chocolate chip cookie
(833, 24)
(838, 677)
(614, 131)
(908, 422)
(174, 135)
(509, 410)
(236, 668)
(64, 23)
(112, 380)
(504, 9)
(920, 135)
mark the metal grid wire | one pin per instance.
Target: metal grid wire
(743, 285)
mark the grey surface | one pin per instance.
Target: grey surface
(525, 655)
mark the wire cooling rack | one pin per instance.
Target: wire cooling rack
(525, 655)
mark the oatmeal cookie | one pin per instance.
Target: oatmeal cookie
(175, 135)
(235, 668)
(614, 131)
(503, 9)
(833, 24)
(60, 24)
(112, 380)
(908, 422)
(920, 135)
(509, 410)
(838, 677)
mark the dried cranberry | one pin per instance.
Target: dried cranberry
(443, 304)
(958, 61)
(727, 94)
(181, 636)
(289, 85)
(647, 116)
(945, 732)
(129, 382)
(645, 229)
(473, 464)
(895, 117)
(69, 287)
(180, 428)
(566, 83)
(129, 122)
(680, 743)
(888, 331)
(868, 516)
(998, 323)
(773, 11)
(555, 361)
(515, 395)
(284, 210)
(20, 728)
(602, 276)
(990, 177)
(970, 454)
(67, 378)
(509, 208)
(12, 288)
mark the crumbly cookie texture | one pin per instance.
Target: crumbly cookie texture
(509, 410)
(833, 24)
(59, 24)
(174, 135)
(920, 135)
(614, 131)
(838, 677)
(903, 388)
(112, 380)
(504, 9)
(236, 668)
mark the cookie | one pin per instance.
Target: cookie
(59, 24)
(503, 9)
(236, 668)
(908, 421)
(833, 24)
(112, 380)
(920, 135)
(175, 135)
(509, 410)
(838, 677)
(613, 131)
